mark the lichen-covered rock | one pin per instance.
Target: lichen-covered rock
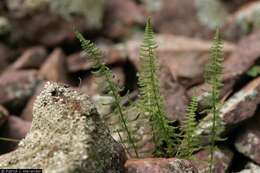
(159, 165)
(238, 108)
(248, 139)
(5, 26)
(66, 136)
(243, 21)
(92, 10)
(211, 13)
(251, 168)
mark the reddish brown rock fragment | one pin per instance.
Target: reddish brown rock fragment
(185, 57)
(48, 29)
(14, 128)
(174, 95)
(222, 160)
(180, 18)
(80, 61)
(3, 115)
(17, 87)
(118, 22)
(242, 58)
(159, 165)
(31, 58)
(55, 67)
(5, 55)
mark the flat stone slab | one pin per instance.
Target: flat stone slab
(66, 136)
(239, 107)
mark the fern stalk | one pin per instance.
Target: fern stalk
(9, 139)
(213, 77)
(103, 70)
(151, 101)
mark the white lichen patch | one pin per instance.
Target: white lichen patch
(239, 97)
(251, 168)
(66, 136)
(211, 13)
(248, 17)
(247, 144)
(249, 93)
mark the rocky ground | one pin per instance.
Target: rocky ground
(37, 44)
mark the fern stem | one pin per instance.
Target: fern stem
(9, 139)
(213, 130)
(129, 136)
(103, 70)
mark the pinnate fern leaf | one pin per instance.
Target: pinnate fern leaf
(151, 102)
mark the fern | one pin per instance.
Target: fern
(9, 139)
(102, 70)
(151, 102)
(213, 74)
(189, 143)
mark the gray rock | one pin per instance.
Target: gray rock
(5, 26)
(238, 108)
(251, 168)
(66, 136)
(248, 139)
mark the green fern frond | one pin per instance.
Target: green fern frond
(189, 143)
(151, 102)
(102, 70)
(213, 77)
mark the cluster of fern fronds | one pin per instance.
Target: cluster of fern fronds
(167, 139)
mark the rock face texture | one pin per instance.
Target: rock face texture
(248, 139)
(159, 165)
(238, 108)
(66, 136)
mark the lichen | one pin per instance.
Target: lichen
(66, 136)
(5, 25)
(211, 13)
